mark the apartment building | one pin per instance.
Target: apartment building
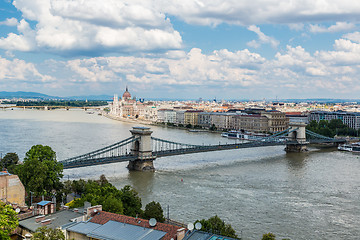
(350, 119)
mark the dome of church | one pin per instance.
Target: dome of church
(126, 95)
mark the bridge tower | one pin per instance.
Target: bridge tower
(142, 149)
(297, 138)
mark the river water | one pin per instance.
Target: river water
(313, 195)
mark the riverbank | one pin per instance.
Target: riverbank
(129, 120)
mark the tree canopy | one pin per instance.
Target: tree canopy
(8, 220)
(332, 128)
(217, 226)
(9, 161)
(124, 201)
(268, 236)
(40, 172)
(45, 233)
(154, 210)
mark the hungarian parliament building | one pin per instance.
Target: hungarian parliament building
(129, 108)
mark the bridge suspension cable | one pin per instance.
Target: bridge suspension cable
(118, 149)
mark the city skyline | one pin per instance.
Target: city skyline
(177, 49)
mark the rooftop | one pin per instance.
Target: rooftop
(199, 235)
(104, 217)
(57, 220)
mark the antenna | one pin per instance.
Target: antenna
(198, 226)
(152, 222)
(190, 226)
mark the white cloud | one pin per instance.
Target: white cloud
(296, 26)
(263, 39)
(338, 27)
(194, 68)
(19, 70)
(241, 12)
(355, 36)
(12, 22)
(91, 27)
(23, 41)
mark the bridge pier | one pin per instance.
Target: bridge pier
(297, 138)
(142, 149)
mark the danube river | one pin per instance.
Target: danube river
(313, 195)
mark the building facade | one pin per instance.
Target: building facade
(350, 119)
(11, 189)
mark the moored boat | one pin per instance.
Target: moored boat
(244, 135)
(354, 147)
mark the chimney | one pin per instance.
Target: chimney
(39, 218)
(45, 222)
(180, 233)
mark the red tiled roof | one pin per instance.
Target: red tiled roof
(293, 113)
(103, 217)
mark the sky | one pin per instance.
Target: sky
(182, 49)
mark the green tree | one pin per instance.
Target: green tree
(40, 172)
(45, 233)
(9, 159)
(131, 201)
(97, 192)
(8, 220)
(336, 123)
(213, 128)
(154, 210)
(217, 226)
(79, 187)
(268, 236)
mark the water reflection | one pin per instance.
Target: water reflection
(296, 161)
(143, 182)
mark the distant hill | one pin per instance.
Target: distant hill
(91, 97)
(35, 95)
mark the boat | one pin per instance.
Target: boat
(353, 147)
(244, 135)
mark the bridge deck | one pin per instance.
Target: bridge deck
(188, 150)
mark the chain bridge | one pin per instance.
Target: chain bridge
(141, 149)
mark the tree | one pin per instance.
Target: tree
(268, 236)
(40, 172)
(45, 233)
(217, 226)
(96, 192)
(8, 220)
(154, 210)
(9, 159)
(213, 128)
(131, 201)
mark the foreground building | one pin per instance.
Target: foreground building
(104, 225)
(12, 191)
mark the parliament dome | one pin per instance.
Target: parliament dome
(126, 94)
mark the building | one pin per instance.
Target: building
(251, 123)
(277, 121)
(191, 117)
(350, 119)
(166, 116)
(224, 121)
(56, 220)
(200, 235)
(204, 119)
(180, 116)
(11, 189)
(105, 225)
